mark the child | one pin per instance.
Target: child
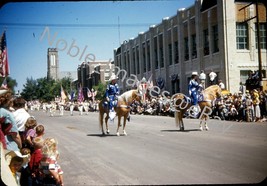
(25, 178)
(16, 160)
(53, 174)
(35, 160)
(39, 131)
(30, 132)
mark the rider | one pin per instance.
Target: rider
(193, 89)
(111, 94)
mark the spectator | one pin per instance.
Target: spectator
(20, 114)
(39, 131)
(53, 174)
(16, 160)
(212, 76)
(30, 132)
(35, 161)
(221, 85)
(202, 77)
(256, 102)
(10, 135)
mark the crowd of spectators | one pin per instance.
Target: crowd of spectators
(248, 106)
(29, 158)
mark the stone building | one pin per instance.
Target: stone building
(52, 64)
(209, 35)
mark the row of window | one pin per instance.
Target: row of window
(159, 55)
(242, 36)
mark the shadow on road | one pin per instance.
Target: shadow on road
(186, 130)
(101, 135)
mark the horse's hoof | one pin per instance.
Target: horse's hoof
(118, 134)
(103, 134)
(206, 128)
(182, 129)
(124, 133)
(107, 131)
(200, 128)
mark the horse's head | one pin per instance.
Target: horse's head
(137, 95)
(212, 92)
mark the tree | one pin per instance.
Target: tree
(44, 89)
(101, 89)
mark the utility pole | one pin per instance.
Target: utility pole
(258, 39)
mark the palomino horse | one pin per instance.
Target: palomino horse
(209, 94)
(122, 110)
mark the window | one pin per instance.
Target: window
(194, 47)
(176, 53)
(186, 49)
(170, 53)
(134, 63)
(144, 56)
(215, 39)
(161, 56)
(206, 42)
(156, 53)
(52, 60)
(262, 35)
(137, 60)
(148, 56)
(241, 36)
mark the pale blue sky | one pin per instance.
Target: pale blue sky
(91, 24)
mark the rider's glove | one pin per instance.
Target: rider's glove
(107, 99)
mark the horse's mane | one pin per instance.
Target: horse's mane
(127, 95)
(212, 90)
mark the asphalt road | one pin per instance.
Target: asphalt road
(155, 152)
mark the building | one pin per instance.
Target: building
(92, 73)
(52, 63)
(209, 35)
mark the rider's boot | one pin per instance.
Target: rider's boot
(112, 114)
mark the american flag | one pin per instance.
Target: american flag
(4, 67)
(63, 95)
(80, 94)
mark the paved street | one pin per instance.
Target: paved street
(156, 152)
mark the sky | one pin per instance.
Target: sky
(96, 28)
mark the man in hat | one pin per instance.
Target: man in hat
(111, 95)
(193, 88)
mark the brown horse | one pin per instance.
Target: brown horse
(209, 94)
(122, 110)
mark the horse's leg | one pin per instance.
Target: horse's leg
(101, 115)
(181, 122)
(124, 124)
(106, 122)
(119, 124)
(200, 125)
(206, 123)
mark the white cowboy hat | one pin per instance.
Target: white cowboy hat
(3, 91)
(195, 73)
(12, 154)
(6, 174)
(112, 77)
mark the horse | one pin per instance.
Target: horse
(181, 106)
(122, 110)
